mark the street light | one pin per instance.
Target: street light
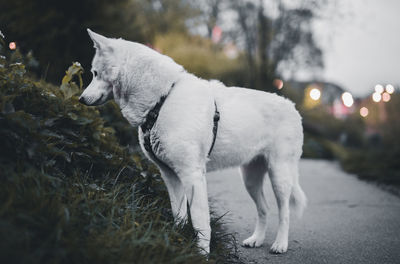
(389, 88)
(379, 88)
(347, 99)
(376, 97)
(315, 94)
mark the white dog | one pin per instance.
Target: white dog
(180, 117)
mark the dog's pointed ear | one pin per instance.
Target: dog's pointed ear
(100, 42)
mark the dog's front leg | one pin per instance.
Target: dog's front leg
(195, 186)
(176, 195)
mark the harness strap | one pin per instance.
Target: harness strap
(146, 127)
(215, 128)
(151, 119)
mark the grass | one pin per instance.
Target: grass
(85, 219)
(71, 193)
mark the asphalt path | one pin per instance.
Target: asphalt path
(347, 220)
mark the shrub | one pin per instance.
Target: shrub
(70, 192)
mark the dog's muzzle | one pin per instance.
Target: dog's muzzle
(82, 100)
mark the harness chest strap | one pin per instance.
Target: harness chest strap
(151, 119)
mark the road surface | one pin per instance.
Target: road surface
(347, 220)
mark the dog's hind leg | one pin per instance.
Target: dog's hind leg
(280, 172)
(253, 175)
(176, 195)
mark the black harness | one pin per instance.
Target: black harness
(151, 119)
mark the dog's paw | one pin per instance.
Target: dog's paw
(278, 247)
(253, 242)
(204, 247)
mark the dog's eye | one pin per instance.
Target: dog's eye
(95, 73)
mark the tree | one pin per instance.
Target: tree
(294, 44)
(275, 45)
(56, 30)
(247, 25)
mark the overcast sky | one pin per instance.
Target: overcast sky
(361, 44)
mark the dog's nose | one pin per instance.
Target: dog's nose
(82, 100)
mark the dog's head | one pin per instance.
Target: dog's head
(134, 75)
(100, 90)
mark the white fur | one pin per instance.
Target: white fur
(258, 131)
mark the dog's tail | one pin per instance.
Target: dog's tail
(298, 199)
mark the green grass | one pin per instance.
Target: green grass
(71, 193)
(85, 219)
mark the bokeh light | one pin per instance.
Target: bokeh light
(386, 97)
(389, 88)
(315, 94)
(347, 99)
(364, 111)
(278, 83)
(379, 88)
(12, 45)
(376, 97)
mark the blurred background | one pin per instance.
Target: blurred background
(336, 60)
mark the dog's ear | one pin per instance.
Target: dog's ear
(100, 42)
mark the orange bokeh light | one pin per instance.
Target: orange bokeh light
(386, 97)
(278, 83)
(12, 45)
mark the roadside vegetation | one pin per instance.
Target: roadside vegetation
(71, 192)
(377, 159)
(366, 146)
